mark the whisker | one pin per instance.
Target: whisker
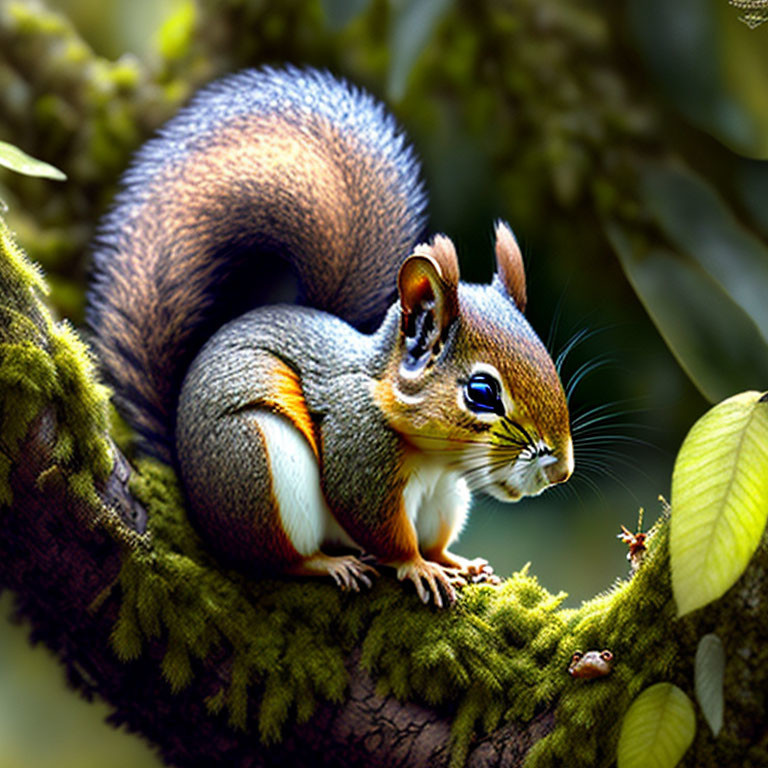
(588, 481)
(509, 439)
(472, 467)
(555, 322)
(584, 370)
(603, 411)
(596, 434)
(556, 490)
(596, 431)
(466, 457)
(586, 420)
(578, 338)
(487, 462)
(617, 478)
(478, 481)
(609, 437)
(598, 468)
(604, 462)
(462, 440)
(568, 488)
(508, 426)
(497, 463)
(517, 427)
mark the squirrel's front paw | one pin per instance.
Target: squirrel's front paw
(431, 579)
(476, 571)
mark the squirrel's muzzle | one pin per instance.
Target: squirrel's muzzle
(559, 471)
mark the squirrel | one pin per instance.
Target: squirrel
(359, 416)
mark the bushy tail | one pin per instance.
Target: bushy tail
(262, 168)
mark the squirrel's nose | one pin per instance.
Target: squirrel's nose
(560, 470)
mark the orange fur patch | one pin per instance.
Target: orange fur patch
(397, 541)
(287, 397)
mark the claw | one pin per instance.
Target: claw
(346, 570)
(439, 581)
(476, 571)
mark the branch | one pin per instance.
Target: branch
(212, 666)
(58, 566)
(67, 534)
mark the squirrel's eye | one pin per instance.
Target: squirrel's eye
(482, 394)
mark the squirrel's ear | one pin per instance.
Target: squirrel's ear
(428, 286)
(509, 265)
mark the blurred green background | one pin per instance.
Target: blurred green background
(625, 143)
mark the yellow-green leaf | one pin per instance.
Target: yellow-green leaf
(708, 677)
(657, 729)
(17, 160)
(719, 499)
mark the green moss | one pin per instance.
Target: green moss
(44, 364)
(174, 590)
(501, 653)
(636, 621)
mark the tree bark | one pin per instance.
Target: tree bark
(59, 564)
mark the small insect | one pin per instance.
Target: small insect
(636, 544)
(591, 664)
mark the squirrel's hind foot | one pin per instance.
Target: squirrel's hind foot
(347, 571)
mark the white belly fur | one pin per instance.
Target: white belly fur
(304, 514)
(436, 499)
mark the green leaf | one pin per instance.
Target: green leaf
(708, 679)
(715, 341)
(17, 160)
(700, 224)
(414, 23)
(339, 13)
(657, 729)
(174, 35)
(719, 499)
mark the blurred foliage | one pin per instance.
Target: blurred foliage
(43, 725)
(598, 130)
(709, 670)
(710, 66)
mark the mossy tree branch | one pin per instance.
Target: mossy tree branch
(211, 666)
(61, 552)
